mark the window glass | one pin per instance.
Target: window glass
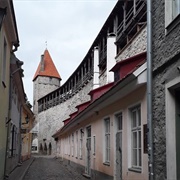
(136, 136)
(175, 7)
(107, 140)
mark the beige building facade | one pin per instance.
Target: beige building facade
(8, 42)
(108, 138)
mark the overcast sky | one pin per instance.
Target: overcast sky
(68, 26)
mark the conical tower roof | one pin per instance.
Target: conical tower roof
(46, 67)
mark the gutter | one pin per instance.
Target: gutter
(15, 44)
(149, 90)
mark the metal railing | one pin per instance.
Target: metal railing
(133, 15)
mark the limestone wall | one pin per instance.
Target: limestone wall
(51, 120)
(42, 86)
(138, 45)
(103, 79)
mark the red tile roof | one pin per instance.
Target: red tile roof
(49, 67)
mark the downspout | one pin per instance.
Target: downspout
(20, 139)
(149, 90)
(8, 126)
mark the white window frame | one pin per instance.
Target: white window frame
(72, 145)
(136, 138)
(69, 147)
(81, 144)
(107, 140)
(76, 144)
(170, 13)
(170, 128)
(117, 121)
(175, 8)
(94, 145)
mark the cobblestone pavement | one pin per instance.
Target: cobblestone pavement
(49, 168)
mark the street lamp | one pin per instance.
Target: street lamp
(2, 15)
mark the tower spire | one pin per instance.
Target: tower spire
(46, 67)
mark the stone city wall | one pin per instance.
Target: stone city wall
(138, 45)
(51, 120)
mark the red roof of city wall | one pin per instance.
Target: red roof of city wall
(49, 67)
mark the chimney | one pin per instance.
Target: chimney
(111, 53)
(42, 63)
(96, 68)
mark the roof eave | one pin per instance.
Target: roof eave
(131, 82)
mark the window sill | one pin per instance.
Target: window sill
(173, 24)
(3, 83)
(137, 170)
(106, 163)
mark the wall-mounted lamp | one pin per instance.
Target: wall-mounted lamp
(82, 131)
(2, 15)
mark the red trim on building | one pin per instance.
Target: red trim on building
(96, 93)
(124, 67)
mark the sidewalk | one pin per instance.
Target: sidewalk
(20, 171)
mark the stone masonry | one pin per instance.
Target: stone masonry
(138, 45)
(166, 58)
(42, 86)
(51, 120)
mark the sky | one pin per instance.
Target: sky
(67, 28)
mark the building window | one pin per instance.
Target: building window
(66, 145)
(76, 144)
(72, 146)
(4, 64)
(81, 143)
(107, 140)
(69, 148)
(175, 8)
(136, 137)
(119, 121)
(94, 145)
(172, 12)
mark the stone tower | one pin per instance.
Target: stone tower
(46, 79)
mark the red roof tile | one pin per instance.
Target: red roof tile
(49, 67)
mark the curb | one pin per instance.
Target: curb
(24, 172)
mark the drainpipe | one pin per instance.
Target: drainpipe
(149, 90)
(20, 139)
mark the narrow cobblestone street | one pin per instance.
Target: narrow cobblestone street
(49, 168)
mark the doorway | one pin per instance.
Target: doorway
(119, 146)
